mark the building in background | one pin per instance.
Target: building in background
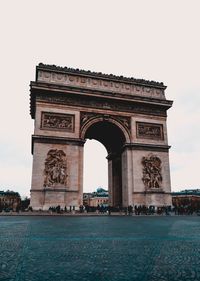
(86, 198)
(99, 197)
(9, 200)
(188, 197)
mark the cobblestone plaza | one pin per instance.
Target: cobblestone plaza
(99, 248)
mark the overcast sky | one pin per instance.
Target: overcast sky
(154, 40)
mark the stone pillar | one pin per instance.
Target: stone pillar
(127, 177)
(115, 179)
(80, 175)
(110, 182)
(151, 195)
(50, 190)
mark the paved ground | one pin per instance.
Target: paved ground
(99, 248)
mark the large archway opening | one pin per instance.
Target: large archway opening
(95, 168)
(113, 139)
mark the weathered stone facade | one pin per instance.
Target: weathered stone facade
(127, 115)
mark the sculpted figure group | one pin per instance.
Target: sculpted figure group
(55, 171)
(152, 177)
(57, 121)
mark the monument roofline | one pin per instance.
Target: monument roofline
(100, 75)
(63, 94)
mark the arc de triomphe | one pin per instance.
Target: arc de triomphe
(127, 115)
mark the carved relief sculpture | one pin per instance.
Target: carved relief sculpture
(149, 131)
(124, 120)
(55, 171)
(152, 177)
(57, 121)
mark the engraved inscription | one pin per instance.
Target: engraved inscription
(149, 131)
(57, 121)
(152, 177)
(55, 171)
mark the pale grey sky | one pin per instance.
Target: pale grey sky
(155, 40)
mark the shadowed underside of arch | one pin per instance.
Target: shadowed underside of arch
(112, 137)
(108, 134)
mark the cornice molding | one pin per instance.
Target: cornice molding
(111, 102)
(151, 192)
(55, 140)
(48, 87)
(147, 147)
(53, 190)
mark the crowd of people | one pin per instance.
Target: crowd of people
(106, 209)
(130, 210)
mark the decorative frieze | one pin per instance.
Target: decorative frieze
(149, 131)
(133, 87)
(55, 172)
(90, 101)
(57, 121)
(65, 69)
(152, 177)
(111, 105)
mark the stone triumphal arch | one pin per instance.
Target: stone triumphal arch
(127, 115)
